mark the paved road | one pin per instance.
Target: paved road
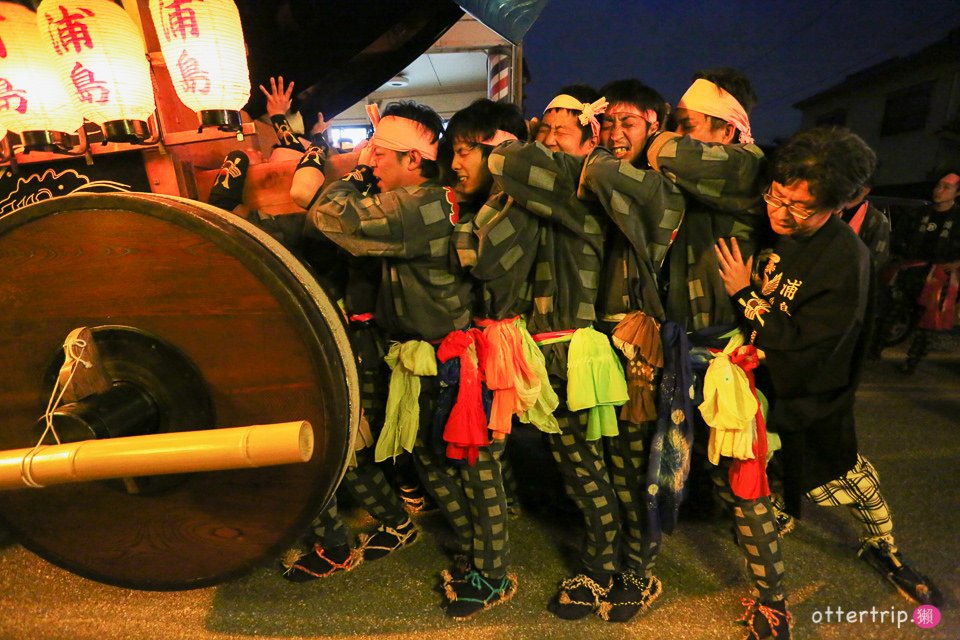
(908, 428)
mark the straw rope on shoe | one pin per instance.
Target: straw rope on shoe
(301, 566)
(458, 573)
(572, 603)
(386, 539)
(629, 596)
(477, 593)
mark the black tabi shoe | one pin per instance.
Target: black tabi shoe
(462, 566)
(477, 593)
(911, 584)
(386, 540)
(766, 620)
(629, 595)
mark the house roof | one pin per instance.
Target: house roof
(944, 51)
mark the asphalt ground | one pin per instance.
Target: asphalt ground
(908, 428)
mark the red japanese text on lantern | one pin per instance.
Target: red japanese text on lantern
(3, 47)
(89, 89)
(10, 97)
(70, 30)
(195, 79)
(179, 21)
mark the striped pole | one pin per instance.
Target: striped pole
(498, 74)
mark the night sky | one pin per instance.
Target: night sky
(790, 50)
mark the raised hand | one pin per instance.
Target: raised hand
(321, 125)
(278, 99)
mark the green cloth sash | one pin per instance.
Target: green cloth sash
(540, 414)
(595, 381)
(408, 361)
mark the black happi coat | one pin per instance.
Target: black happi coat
(806, 312)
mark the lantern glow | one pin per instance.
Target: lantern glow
(33, 100)
(101, 57)
(202, 44)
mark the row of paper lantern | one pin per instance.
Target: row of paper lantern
(76, 59)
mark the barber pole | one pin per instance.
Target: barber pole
(498, 74)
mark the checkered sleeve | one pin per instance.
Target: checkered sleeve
(542, 181)
(644, 205)
(506, 237)
(725, 177)
(401, 223)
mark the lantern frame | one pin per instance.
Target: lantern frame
(138, 132)
(54, 142)
(222, 119)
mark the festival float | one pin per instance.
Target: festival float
(178, 392)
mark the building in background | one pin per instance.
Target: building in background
(907, 109)
(468, 62)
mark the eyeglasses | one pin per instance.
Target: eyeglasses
(799, 213)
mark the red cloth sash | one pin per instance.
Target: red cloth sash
(748, 478)
(939, 298)
(466, 428)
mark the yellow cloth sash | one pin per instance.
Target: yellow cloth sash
(408, 361)
(729, 407)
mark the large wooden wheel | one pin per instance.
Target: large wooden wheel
(231, 329)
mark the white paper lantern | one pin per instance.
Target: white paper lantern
(32, 95)
(202, 44)
(101, 57)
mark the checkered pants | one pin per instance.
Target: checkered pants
(758, 540)
(328, 527)
(859, 489)
(471, 498)
(628, 456)
(369, 487)
(585, 478)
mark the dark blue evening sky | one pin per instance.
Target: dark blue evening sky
(790, 50)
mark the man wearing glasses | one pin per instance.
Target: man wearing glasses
(805, 307)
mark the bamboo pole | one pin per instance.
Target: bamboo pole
(159, 454)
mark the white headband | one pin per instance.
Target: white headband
(588, 111)
(706, 97)
(403, 134)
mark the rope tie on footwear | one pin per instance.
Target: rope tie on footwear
(647, 595)
(462, 566)
(774, 618)
(351, 562)
(478, 582)
(400, 538)
(476, 593)
(580, 580)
